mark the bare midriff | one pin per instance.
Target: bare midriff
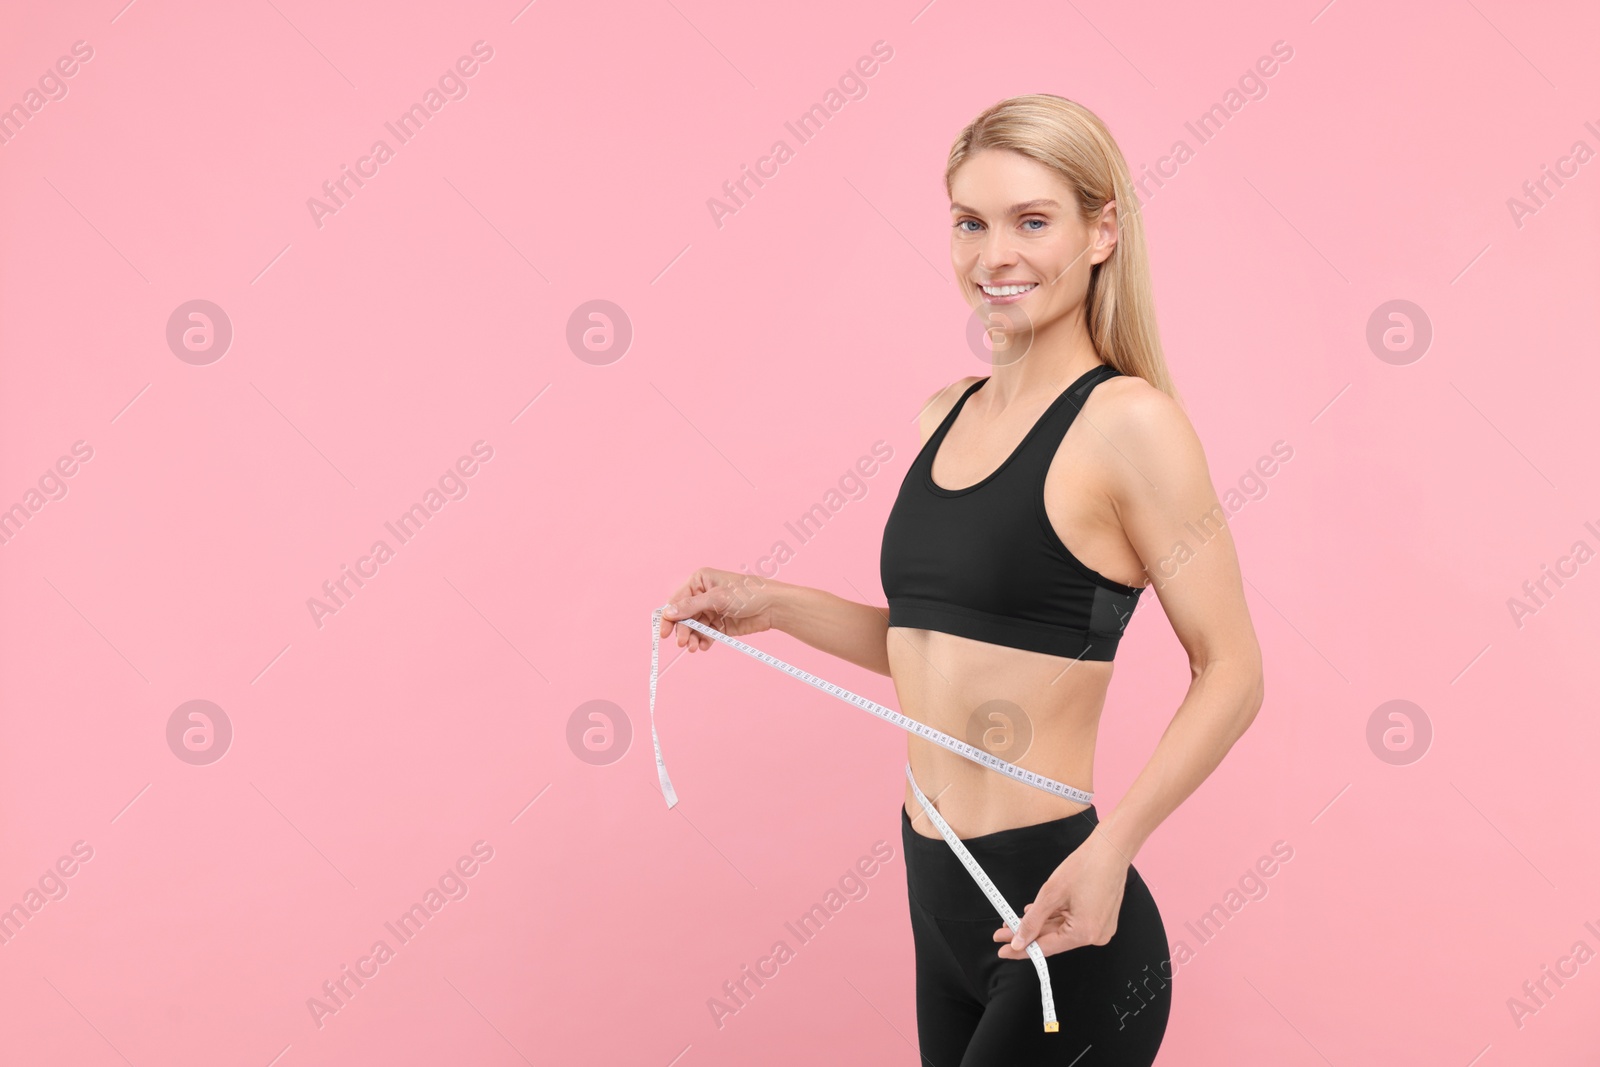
(1038, 711)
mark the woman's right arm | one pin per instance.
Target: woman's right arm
(738, 604)
(855, 632)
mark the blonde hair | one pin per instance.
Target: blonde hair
(1072, 141)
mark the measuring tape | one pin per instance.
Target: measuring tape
(971, 752)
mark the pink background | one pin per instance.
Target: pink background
(767, 356)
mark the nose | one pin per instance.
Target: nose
(996, 252)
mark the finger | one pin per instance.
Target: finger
(1005, 933)
(1063, 940)
(1010, 950)
(1053, 938)
(1027, 930)
(707, 618)
(1008, 953)
(687, 606)
(679, 595)
(1035, 917)
(1049, 944)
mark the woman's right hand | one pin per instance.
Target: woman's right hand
(730, 601)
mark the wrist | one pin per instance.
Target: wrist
(780, 603)
(1118, 838)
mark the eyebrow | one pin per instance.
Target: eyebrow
(1016, 209)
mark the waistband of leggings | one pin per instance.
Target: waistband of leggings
(1017, 860)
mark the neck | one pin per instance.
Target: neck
(1054, 357)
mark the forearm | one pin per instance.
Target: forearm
(857, 633)
(1221, 703)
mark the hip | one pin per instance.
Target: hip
(1018, 860)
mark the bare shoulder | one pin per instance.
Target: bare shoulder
(1148, 448)
(1138, 418)
(939, 404)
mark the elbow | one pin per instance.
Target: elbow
(1255, 698)
(1255, 692)
(1243, 675)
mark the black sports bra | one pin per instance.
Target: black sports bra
(984, 562)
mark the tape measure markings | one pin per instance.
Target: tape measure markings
(927, 733)
(977, 755)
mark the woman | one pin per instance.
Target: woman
(999, 633)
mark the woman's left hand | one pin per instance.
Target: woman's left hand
(1077, 905)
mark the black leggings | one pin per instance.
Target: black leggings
(975, 1009)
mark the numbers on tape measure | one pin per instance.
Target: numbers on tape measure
(922, 730)
(977, 755)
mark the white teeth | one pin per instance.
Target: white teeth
(1007, 290)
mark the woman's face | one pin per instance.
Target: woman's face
(1014, 221)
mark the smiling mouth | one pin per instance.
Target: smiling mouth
(1008, 290)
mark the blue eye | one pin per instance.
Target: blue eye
(963, 222)
(1039, 221)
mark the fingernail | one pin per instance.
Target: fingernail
(672, 609)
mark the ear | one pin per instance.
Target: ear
(1104, 232)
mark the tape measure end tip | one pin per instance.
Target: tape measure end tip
(1051, 1028)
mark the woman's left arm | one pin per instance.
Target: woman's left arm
(1161, 490)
